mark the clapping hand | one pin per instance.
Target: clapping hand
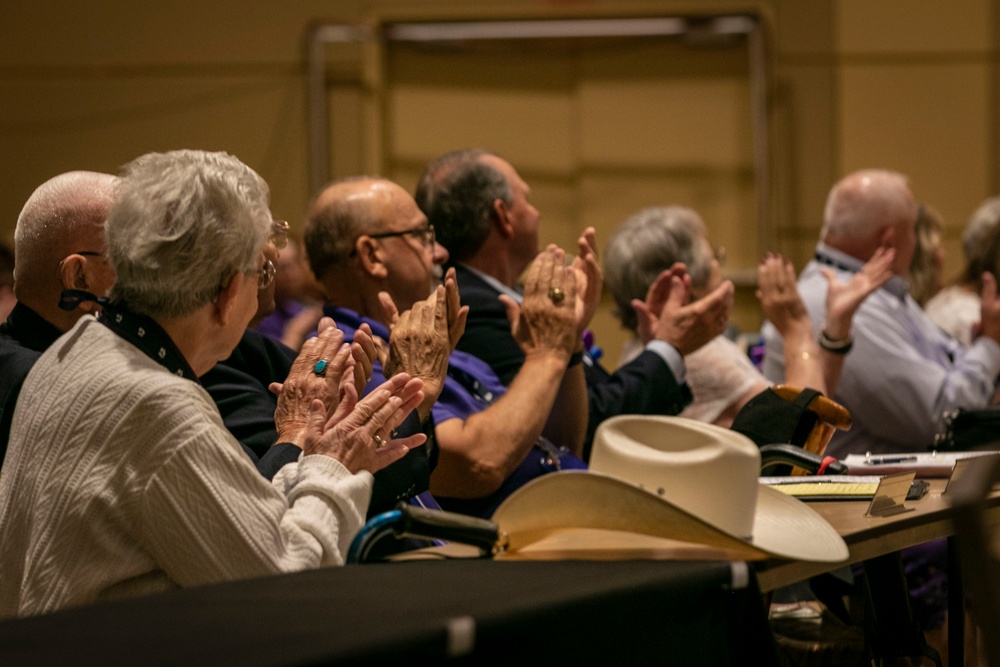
(843, 299)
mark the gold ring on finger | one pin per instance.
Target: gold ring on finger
(379, 442)
(557, 295)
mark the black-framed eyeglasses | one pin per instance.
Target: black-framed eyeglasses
(279, 233)
(265, 274)
(426, 235)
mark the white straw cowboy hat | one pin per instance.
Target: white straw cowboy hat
(674, 478)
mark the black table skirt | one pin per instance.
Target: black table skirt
(568, 612)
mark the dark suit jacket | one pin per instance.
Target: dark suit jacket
(643, 386)
(23, 338)
(239, 387)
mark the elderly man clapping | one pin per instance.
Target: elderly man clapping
(120, 478)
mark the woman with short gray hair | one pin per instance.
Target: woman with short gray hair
(656, 243)
(120, 478)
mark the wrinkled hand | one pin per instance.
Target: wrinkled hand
(989, 322)
(843, 299)
(420, 341)
(365, 350)
(457, 313)
(349, 434)
(648, 312)
(778, 294)
(688, 327)
(589, 279)
(539, 325)
(303, 385)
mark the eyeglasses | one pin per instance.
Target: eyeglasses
(265, 274)
(279, 233)
(426, 234)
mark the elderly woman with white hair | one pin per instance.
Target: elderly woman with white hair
(657, 243)
(957, 308)
(121, 479)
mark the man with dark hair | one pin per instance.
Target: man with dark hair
(374, 252)
(480, 208)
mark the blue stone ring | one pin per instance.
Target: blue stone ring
(320, 367)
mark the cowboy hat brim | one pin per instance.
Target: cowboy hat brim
(784, 527)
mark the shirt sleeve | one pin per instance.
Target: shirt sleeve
(670, 355)
(212, 517)
(901, 376)
(901, 392)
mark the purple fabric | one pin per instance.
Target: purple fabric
(455, 401)
(273, 326)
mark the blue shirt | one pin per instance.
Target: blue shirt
(456, 401)
(903, 374)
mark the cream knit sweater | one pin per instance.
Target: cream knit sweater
(121, 480)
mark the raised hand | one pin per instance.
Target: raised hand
(420, 341)
(686, 326)
(310, 380)
(843, 299)
(989, 323)
(589, 278)
(546, 319)
(358, 433)
(648, 312)
(457, 313)
(778, 294)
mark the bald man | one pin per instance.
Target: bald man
(903, 375)
(58, 244)
(365, 237)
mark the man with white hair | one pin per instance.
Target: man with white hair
(903, 374)
(58, 244)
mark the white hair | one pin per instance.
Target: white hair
(863, 203)
(647, 244)
(58, 212)
(184, 222)
(979, 226)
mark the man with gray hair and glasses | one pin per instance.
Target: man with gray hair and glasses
(59, 244)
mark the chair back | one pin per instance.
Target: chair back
(977, 529)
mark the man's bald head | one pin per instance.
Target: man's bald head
(63, 216)
(341, 213)
(868, 209)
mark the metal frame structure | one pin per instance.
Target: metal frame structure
(747, 25)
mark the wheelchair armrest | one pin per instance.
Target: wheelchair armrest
(777, 454)
(409, 521)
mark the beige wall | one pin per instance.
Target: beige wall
(598, 130)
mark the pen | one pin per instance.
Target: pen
(893, 459)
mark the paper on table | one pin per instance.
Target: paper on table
(925, 464)
(826, 487)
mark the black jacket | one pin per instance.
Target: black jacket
(645, 385)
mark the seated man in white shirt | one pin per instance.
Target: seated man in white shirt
(903, 374)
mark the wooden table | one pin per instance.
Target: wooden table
(870, 537)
